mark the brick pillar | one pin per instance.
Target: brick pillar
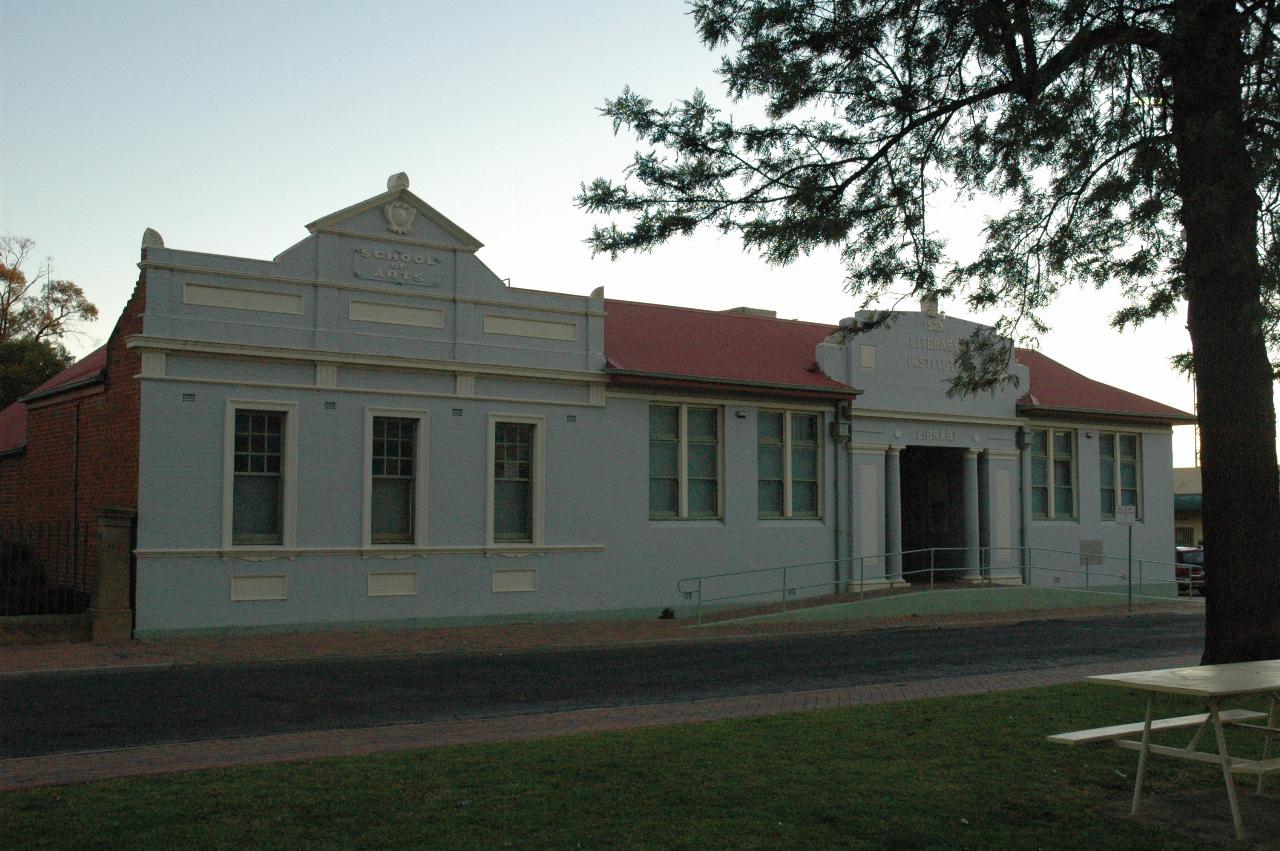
(112, 616)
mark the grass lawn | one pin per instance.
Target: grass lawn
(972, 772)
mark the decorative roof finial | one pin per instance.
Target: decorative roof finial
(151, 238)
(397, 181)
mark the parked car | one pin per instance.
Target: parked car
(1189, 571)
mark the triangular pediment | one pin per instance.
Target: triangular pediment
(400, 215)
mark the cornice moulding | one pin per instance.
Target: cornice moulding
(143, 342)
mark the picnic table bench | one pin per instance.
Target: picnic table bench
(1212, 683)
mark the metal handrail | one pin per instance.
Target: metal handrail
(692, 586)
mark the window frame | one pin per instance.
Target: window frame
(788, 479)
(682, 461)
(1116, 487)
(1050, 484)
(420, 444)
(288, 471)
(537, 519)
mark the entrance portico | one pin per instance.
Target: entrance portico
(936, 505)
(949, 470)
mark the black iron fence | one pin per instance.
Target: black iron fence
(46, 568)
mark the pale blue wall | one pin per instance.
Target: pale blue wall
(596, 493)
(1152, 535)
(596, 445)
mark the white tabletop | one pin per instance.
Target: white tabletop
(1202, 680)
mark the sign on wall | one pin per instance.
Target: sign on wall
(397, 266)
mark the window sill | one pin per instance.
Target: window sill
(816, 522)
(688, 522)
(258, 552)
(271, 554)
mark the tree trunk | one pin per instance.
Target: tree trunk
(1224, 313)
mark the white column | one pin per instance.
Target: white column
(971, 564)
(893, 514)
(984, 510)
(1024, 505)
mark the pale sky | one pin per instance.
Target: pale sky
(227, 126)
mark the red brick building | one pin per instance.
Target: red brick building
(70, 447)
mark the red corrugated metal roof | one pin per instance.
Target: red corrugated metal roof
(679, 342)
(1057, 389)
(13, 419)
(91, 363)
(13, 427)
(705, 346)
(674, 345)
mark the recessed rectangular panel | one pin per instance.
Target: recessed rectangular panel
(515, 580)
(245, 588)
(241, 299)
(393, 584)
(1004, 526)
(871, 526)
(396, 314)
(536, 328)
(867, 356)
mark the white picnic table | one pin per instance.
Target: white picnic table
(1213, 684)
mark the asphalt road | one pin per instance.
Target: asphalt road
(53, 713)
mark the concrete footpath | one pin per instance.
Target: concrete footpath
(81, 767)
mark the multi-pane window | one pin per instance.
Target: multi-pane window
(703, 467)
(513, 482)
(1118, 472)
(804, 465)
(664, 461)
(787, 464)
(1053, 474)
(771, 464)
(257, 499)
(684, 461)
(391, 502)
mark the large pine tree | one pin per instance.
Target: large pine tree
(1132, 144)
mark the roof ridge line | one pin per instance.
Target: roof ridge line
(726, 312)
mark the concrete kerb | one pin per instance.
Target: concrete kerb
(85, 767)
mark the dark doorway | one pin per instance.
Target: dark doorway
(932, 511)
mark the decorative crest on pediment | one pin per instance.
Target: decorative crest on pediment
(399, 216)
(404, 214)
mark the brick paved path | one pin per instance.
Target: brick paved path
(158, 759)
